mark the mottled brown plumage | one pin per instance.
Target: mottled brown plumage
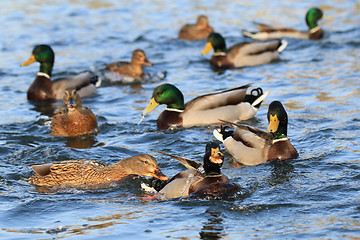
(132, 69)
(87, 173)
(74, 120)
(197, 31)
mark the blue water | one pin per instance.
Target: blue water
(313, 197)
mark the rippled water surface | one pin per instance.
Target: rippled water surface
(313, 197)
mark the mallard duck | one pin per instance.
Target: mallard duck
(200, 183)
(74, 120)
(242, 54)
(133, 69)
(84, 172)
(197, 31)
(251, 146)
(232, 105)
(312, 17)
(44, 89)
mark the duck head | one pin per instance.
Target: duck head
(278, 120)
(144, 165)
(215, 41)
(44, 55)
(213, 159)
(139, 58)
(166, 94)
(312, 16)
(72, 99)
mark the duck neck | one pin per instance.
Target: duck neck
(46, 67)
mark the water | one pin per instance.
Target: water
(313, 197)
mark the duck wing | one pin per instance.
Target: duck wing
(85, 83)
(189, 164)
(214, 100)
(257, 135)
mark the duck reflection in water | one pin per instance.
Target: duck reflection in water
(213, 228)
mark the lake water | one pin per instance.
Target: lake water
(313, 197)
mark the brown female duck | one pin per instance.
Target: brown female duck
(251, 146)
(44, 89)
(84, 172)
(74, 120)
(242, 54)
(197, 31)
(134, 68)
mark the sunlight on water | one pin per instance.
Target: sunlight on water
(313, 197)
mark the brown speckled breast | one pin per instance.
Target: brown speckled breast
(75, 124)
(169, 118)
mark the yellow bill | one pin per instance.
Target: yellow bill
(207, 48)
(273, 123)
(151, 106)
(29, 61)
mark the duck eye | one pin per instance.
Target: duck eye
(146, 162)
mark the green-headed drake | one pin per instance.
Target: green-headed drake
(75, 119)
(44, 89)
(133, 69)
(251, 146)
(312, 17)
(89, 173)
(205, 181)
(242, 54)
(232, 105)
(197, 31)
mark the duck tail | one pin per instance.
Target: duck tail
(221, 134)
(259, 100)
(96, 80)
(283, 45)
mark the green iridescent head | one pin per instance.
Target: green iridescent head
(166, 94)
(44, 55)
(215, 41)
(312, 16)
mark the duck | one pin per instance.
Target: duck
(242, 54)
(91, 173)
(315, 32)
(133, 69)
(43, 88)
(75, 119)
(200, 30)
(200, 180)
(252, 146)
(232, 105)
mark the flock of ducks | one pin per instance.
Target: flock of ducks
(248, 145)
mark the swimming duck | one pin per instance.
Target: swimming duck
(251, 146)
(197, 31)
(74, 120)
(133, 69)
(44, 89)
(209, 182)
(232, 105)
(242, 54)
(312, 17)
(84, 172)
